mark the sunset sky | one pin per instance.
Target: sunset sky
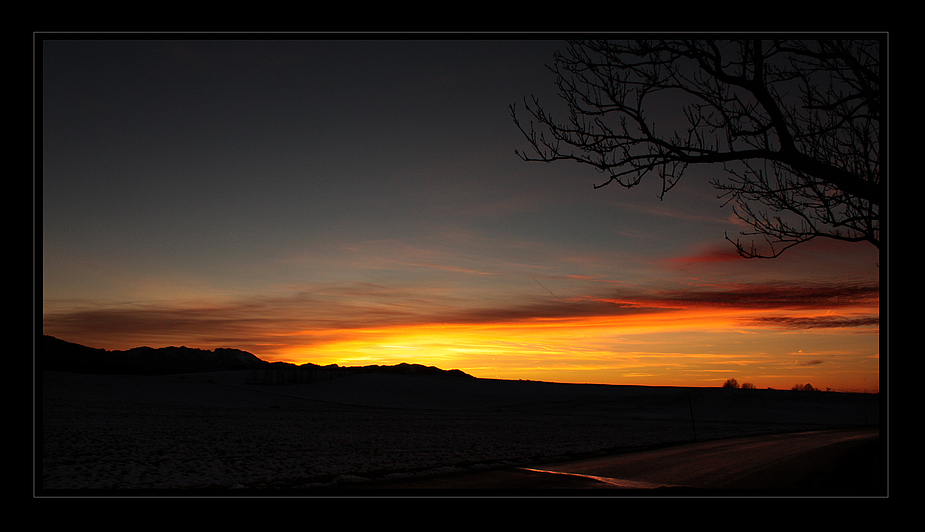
(360, 202)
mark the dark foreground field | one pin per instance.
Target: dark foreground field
(215, 433)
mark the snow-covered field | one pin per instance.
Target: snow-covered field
(214, 431)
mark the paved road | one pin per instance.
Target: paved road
(827, 462)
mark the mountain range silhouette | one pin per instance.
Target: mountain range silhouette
(54, 354)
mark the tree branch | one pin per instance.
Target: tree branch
(809, 111)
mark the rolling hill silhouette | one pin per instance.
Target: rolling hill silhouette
(54, 354)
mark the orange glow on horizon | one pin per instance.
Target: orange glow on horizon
(766, 335)
(694, 347)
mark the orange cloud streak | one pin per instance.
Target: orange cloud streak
(769, 335)
(690, 347)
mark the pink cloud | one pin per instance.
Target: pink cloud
(712, 254)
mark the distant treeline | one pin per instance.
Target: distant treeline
(53, 354)
(57, 355)
(285, 373)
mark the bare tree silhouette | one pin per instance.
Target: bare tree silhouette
(795, 124)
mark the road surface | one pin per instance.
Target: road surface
(849, 462)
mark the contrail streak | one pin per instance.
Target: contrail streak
(541, 284)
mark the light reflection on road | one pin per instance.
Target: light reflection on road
(616, 482)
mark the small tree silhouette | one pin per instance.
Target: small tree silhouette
(748, 386)
(731, 383)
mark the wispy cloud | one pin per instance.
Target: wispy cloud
(709, 255)
(321, 313)
(804, 295)
(815, 322)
